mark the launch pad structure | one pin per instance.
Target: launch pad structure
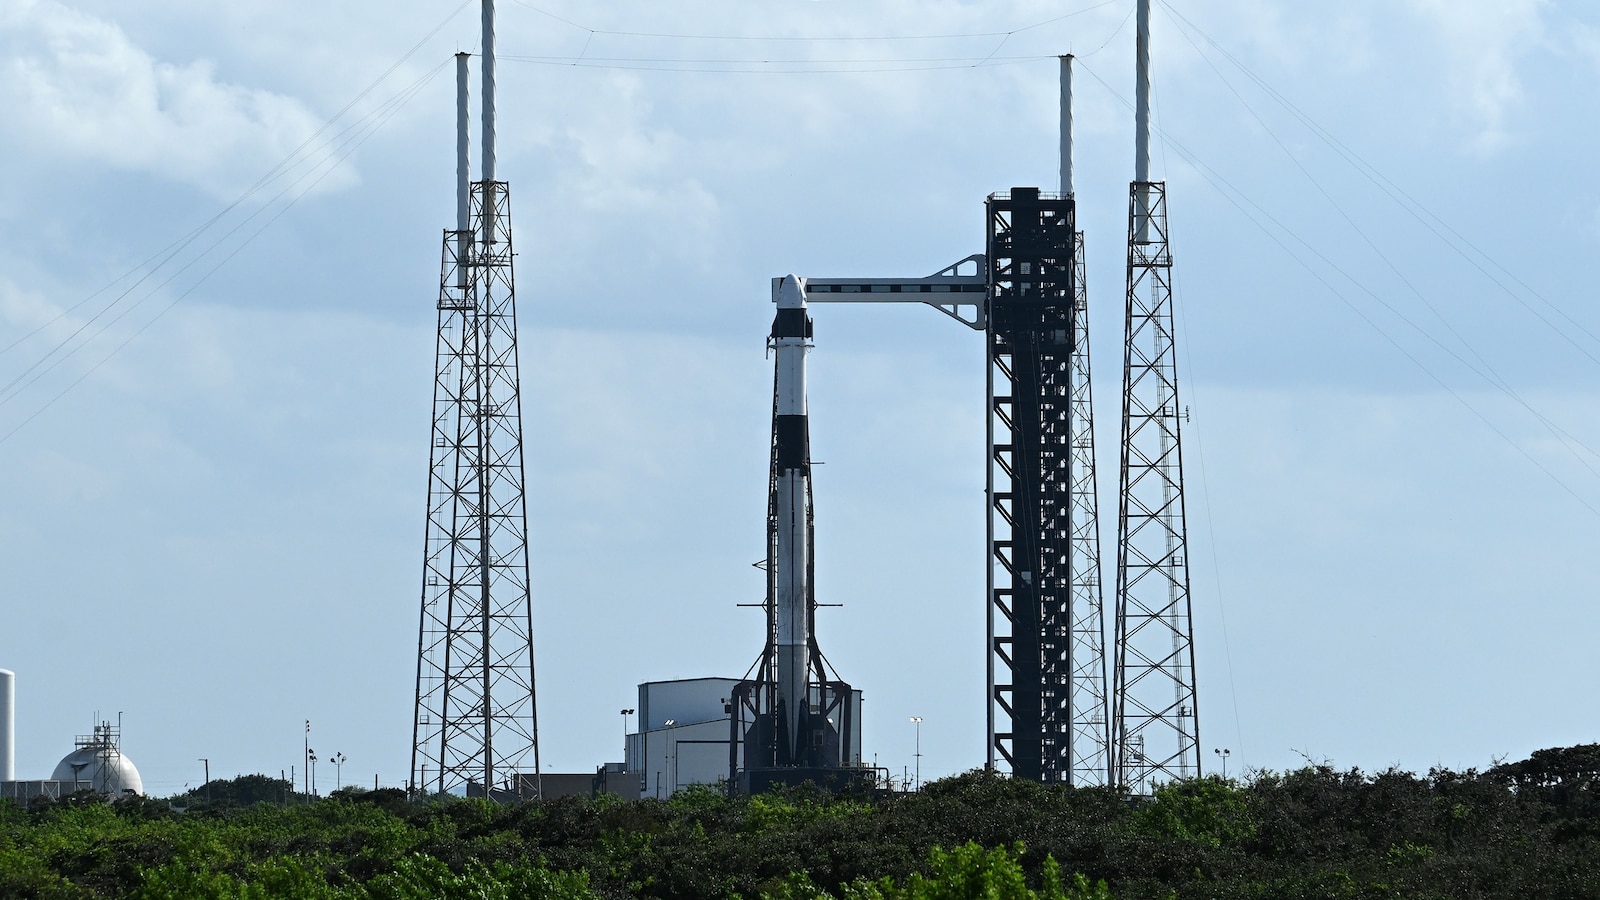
(1051, 715)
(1047, 711)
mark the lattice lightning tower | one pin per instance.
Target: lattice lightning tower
(476, 723)
(1154, 717)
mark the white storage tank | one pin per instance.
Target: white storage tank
(99, 765)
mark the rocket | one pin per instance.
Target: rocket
(791, 608)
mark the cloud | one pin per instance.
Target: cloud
(1586, 38)
(1483, 41)
(75, 89)
(1372, 529)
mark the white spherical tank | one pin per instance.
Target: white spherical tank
(99, 768)
(8, 721)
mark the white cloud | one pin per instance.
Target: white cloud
(1376, 530)
(1586, 38)
(1483, 40)
(75, 89)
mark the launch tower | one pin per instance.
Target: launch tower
(1046, 687)
(1047, 667)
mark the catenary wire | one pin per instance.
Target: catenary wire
(1113, 36)
(764, 67)
(1235, 196)
(327, 170)
(1180, 323)
(798, 61)
(166, 254)
(1487, 372)
(59, 353)
(812, 38)
(1414, 207)
(767, 66)
(361, 128)
(294, 158)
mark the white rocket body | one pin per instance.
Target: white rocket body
(791, 549)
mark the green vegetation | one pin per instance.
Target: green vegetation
(1528, 829)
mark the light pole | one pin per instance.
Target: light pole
(338, 760)
(311, 757)
(1224, 753)
(917, 721)
(668, 754)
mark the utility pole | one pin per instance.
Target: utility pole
(917, 721)
(207, 763)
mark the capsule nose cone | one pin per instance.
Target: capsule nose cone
(791, 295)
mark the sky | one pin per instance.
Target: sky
(219, 254)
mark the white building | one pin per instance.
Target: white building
(685, 736)
(682, 738)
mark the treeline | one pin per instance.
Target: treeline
(1528, 829)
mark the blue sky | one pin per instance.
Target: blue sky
(216, 529)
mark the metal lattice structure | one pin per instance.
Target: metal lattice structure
(476, 725)
(1154, 717)
(1047, 719)
(1091, 712)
